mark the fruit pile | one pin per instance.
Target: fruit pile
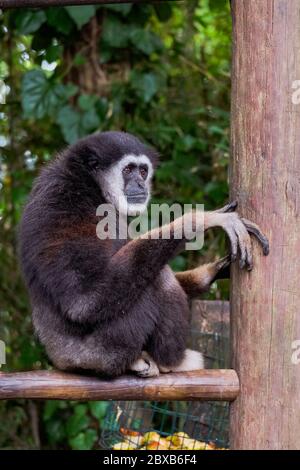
(133, 440)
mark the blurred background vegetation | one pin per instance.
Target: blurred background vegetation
(161, 72)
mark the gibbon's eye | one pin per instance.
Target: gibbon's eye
(128, 169)
(144, 172)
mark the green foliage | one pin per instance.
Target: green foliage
(60, 20)
(75, 124)
(29, 21)
(41, 96)
(81, 15)
(146, 85)
(72, 423)
(115, 33)
(158, 71)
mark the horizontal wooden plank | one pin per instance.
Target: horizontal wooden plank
(48, 3)
(207, 384)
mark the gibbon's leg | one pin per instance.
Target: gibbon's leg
(145, 366)
(167, 344)
(196, 281)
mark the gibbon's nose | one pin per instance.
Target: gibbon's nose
(136, 187)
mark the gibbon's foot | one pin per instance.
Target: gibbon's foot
(222, 268)
(238, 230)
(145, 366)
(193, 360)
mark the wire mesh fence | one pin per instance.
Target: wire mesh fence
(175, 425)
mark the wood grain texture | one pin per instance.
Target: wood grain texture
(48, 3)
(265, 179)
(198, 385)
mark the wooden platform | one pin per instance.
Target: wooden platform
(209, 384)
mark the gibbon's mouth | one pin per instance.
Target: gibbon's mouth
(137, 198)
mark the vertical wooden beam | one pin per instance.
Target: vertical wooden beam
(265, 178)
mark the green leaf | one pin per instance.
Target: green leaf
(78, 421)
(75, 125)
(218, 5)
(90, 120)
(186, 143)
(85, 102)
(81, 14)
(53, 53)
(84, 441)
(41, 96)
(55, 431)
(70, 90)
(59, 19)
(102, 108)
(69, 121)
(50, 407)
(98, 409)
(146, 85)
(145, 41)
(115, 33)
(123, 9)
(29, 21)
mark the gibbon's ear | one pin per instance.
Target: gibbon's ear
(93, 162)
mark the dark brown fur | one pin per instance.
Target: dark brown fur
(96, 304)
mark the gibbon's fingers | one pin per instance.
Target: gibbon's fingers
(245, 246)
(223, 263)
(255, 230)
(233, 242)
(230, 207)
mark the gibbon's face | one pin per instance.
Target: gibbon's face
(127, 184)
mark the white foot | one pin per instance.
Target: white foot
(145, 366)
(193, 360)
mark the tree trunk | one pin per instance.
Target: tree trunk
(265, 179)
(89, 75)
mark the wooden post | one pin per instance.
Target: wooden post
(265, 178)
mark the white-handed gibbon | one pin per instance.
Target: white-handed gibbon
(109, 306)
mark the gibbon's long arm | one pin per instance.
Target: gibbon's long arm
(143, 258)
(153, 256)
(138, 264)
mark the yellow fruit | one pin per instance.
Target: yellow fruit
(192, 444)
(129, 432)
(158, 445)
(123, 446)
(178, 438)
(151, 436)
(129, 443)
